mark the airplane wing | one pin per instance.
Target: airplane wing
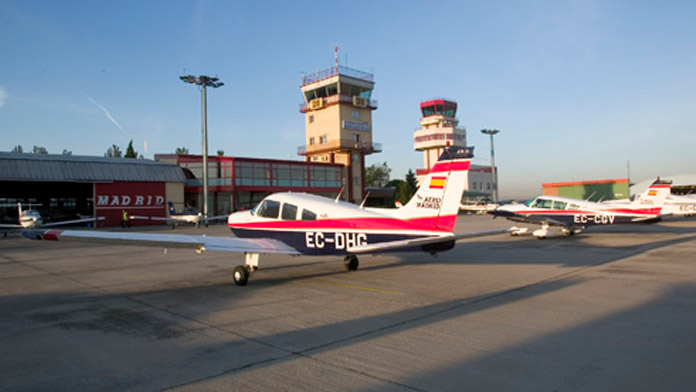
(218, 217)
(525, 217)
(70, 222)
(197, 242)
(648, 219)
(395, 245)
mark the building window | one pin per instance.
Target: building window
(311, 118)
(355, 115)
(252, 173)
(322, 139)
(322, 177)
(356, 138)
(289, 175)
(311, 141)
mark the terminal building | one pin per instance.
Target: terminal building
(338, 109)
(236, 183)
(440, 129)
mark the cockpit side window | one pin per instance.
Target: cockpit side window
(308, 215)
(268, 209)
(543, 203)
(559, 205)
(289, 212)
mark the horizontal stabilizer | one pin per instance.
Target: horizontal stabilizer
(402, 244)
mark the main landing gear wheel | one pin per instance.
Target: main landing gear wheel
(240, 275)
(351, 262)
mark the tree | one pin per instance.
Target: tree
(130, 151)
(220, 153)
(18, 149)
(113, 152)
(40, 150)
(377, 175)
(181, 151)
(406, 189)
(67, 152)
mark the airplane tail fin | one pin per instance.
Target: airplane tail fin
(655, 195)
(436, 202)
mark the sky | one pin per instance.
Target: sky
(580, 90)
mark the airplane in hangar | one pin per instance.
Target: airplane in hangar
(304, 224)
(175, 218)
(29, 218)
(574, 215)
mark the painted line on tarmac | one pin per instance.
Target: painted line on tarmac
(355, 287)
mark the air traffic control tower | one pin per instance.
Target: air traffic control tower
(439, 130)
(338, 123)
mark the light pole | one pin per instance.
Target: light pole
(494, 171)
(204, 81)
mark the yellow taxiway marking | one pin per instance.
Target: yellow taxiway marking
(355, 287)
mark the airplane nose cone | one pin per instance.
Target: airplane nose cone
(239, 217)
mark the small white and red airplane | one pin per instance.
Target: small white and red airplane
(304, 224)
(676, 206)
(175, 218)
(31, 218)
(574, 215)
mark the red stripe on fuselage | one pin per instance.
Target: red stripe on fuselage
(444, 224)
(642, 211)
(450, 166)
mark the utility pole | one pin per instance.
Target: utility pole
(494, 170)
(204, 81)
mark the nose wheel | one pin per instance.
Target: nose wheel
(351, 262)
(242, 273)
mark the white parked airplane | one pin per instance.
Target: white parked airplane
(674, 205)
(303, 224)
(573, 215)
(31, 218)
(175, 218)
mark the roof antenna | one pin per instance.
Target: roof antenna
(362, 205)
(336, 57)
(339, 194)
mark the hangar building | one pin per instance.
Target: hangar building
(67, 186)
(589, 190)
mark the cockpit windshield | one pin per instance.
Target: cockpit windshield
(267, 209)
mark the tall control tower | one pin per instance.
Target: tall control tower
(439, 130)
(338, 123)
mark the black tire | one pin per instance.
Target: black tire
(240, 275)
(351, 263)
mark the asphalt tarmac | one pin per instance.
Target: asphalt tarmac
(611, 309)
